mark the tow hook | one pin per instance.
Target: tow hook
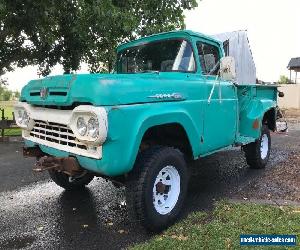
(68, 165)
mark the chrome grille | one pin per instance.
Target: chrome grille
(56, 133)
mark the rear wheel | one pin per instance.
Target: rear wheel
(71, 183)
(156, 187)
(258, 153)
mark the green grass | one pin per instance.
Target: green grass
(8, 108)
(221, 229)
(12, 132)
(8, 113)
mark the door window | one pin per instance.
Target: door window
(209, 58)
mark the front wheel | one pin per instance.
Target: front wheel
(156, 187)
(258, 153)
(71, 183)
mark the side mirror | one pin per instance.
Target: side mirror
(280, 94)
(227, 68)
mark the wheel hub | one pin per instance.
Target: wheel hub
(160, 187)
(166, 190)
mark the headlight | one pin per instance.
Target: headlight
(25, 118)
(89, 124)
(22, 118)
(81, 126)
(93, 127)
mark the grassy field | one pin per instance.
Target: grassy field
(221, 228)
(8, 113)
(8, 108)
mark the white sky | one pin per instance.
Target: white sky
(273, 30)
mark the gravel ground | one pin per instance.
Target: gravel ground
(281, 182)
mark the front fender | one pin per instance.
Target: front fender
(128, 124)
(163, 116)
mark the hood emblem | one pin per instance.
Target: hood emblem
(44, 93)
(167, 96)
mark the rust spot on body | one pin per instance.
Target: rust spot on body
(255, 124)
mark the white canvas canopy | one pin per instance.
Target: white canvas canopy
(236, 44)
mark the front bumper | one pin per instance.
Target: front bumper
(101, 166)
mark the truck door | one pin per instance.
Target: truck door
(220, 111)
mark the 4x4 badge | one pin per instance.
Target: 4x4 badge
(44, 93)
(167, 96)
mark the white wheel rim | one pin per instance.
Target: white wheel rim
(264, 146)
(166, 190)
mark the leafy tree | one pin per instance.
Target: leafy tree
(284, 80)
(69, 32)
(3, 82)
(17, 94)
(2, 89)
(7, 94)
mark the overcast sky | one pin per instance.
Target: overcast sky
(273, 30)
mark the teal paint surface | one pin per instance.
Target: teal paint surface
(254, 101)
(132, 109)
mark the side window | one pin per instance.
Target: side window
(209, 58)
(226, 47)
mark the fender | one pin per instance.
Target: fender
(128, 124)
(251, 117)
(180, 117)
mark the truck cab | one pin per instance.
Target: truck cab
(172, 99)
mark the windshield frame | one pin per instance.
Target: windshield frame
(157, 41)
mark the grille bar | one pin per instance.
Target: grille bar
(56, 133)
(44, 130)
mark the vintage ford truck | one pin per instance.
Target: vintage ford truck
(172, 99)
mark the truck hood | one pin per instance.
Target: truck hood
(103, 89)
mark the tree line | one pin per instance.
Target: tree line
(69, 32)
(5, 93)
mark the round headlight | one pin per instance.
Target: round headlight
(93, 127)
(25, 118)
(20, 116)
(81, 126)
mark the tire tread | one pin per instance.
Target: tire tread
(137, 181)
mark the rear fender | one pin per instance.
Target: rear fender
(254, 115)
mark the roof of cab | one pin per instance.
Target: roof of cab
(166, 35)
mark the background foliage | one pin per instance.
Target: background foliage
(284, 80)
(47, 32)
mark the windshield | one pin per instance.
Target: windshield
(162, 56)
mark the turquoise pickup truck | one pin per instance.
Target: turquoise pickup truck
(172, 99)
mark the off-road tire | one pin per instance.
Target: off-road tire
(140, 184)
(253, 151)
(62, 180)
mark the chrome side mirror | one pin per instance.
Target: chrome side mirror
(227, 68)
